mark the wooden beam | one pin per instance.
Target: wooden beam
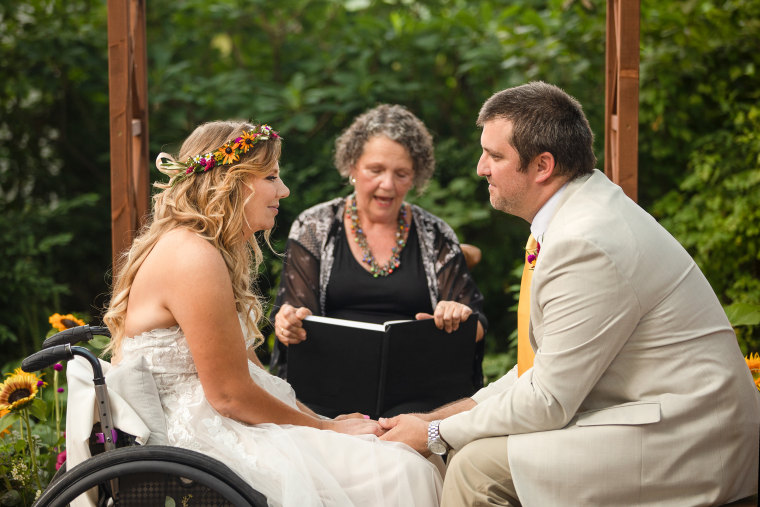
(128, 97)
(621, 140)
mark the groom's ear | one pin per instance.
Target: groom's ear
(544, 166)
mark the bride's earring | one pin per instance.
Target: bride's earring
(352, 180)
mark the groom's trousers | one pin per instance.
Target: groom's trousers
(478, 474)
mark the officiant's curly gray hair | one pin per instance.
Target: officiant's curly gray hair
(397, 124)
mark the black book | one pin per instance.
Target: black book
(348, 366)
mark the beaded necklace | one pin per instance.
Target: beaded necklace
(361, 239)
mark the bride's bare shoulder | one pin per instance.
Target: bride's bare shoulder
(183, 245)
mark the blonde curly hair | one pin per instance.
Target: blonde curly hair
(210, 204)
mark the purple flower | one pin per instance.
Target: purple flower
(60, 389)
(57, 366)
(40, 383)
(532, 258)
(210, 163)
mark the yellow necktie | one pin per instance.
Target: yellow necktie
(524, 350)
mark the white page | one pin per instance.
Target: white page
(346, 323)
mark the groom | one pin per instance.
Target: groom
(638, 393)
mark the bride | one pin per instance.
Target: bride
(183, 300)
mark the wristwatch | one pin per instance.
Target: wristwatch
(435, 443)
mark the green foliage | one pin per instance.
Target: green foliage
(699, 64)
(20, 456)
(701, 128)
(54, 177)
(31, 238)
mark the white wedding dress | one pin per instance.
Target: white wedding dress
(294, 466)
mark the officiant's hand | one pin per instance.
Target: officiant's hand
(288, 324)
(449, 314)
(407, 428)
(354, 426)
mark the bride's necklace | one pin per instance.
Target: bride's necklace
(361, 239)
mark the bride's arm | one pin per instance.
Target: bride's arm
(196, 289)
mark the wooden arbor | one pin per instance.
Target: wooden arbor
(128, 105)
(621, 103)
(128, 96)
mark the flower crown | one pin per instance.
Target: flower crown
(227, 154)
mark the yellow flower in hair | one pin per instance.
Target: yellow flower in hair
(64, 322)
(19, 390)
(229, 153)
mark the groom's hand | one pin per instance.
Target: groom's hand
(407, 428)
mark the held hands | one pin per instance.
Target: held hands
(352, 415)
(353, 426)
(410, 429)
(288, 324)
(447, 314)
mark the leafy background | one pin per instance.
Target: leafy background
(309, 66)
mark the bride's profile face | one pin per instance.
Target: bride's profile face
(262, 196)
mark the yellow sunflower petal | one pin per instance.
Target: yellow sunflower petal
(753, 362)
(64, 322)
(55, 321)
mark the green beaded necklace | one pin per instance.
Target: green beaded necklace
(367, 257)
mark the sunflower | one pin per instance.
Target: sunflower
(64, 322)
(229, 153)
(19, 390)
(248, 140)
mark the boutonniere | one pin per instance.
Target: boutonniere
(533, 255)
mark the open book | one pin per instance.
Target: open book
(348, 366)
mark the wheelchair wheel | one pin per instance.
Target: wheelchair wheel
(151, 475)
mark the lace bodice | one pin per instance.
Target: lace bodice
(168, 356)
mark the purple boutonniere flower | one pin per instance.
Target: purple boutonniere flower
(533, 256)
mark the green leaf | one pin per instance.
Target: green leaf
(8, 419)
(39, 409)
(11, 497)
(743, 314)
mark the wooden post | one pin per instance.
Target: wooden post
(128, 107)
(621, 140)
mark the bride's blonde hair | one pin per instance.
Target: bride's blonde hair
(210, 204)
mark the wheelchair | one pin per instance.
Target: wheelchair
(123, 473)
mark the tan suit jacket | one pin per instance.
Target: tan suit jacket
(639, 394)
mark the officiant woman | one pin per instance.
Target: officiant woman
(372, 256)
